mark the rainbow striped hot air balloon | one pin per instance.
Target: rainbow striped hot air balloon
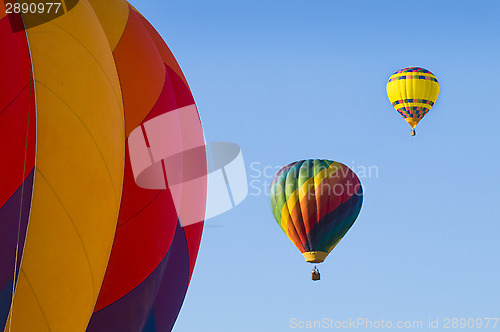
(83, 247)
(413, 91)
(315, 202)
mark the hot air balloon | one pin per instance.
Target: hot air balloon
(315, 202)
(83, 246)
(413, 91)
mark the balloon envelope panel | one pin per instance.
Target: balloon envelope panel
(18, 133)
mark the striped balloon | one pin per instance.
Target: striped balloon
(83, 247)
(413, 91)
(315, 202)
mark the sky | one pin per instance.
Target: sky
(288, 80)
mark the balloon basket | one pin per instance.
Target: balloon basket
(315, 276)
(413, 133)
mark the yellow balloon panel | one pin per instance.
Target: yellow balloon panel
(57, 278)
(79, 174)
(113, 15)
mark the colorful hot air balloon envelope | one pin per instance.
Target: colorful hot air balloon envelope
(315, 202)
(82, 245)
(413, 91)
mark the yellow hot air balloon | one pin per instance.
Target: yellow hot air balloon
(413, 91)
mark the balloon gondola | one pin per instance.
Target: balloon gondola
(315, 275)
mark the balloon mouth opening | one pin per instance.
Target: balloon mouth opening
(315, 256)
(412, 122)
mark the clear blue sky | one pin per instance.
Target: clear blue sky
(289, 80)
